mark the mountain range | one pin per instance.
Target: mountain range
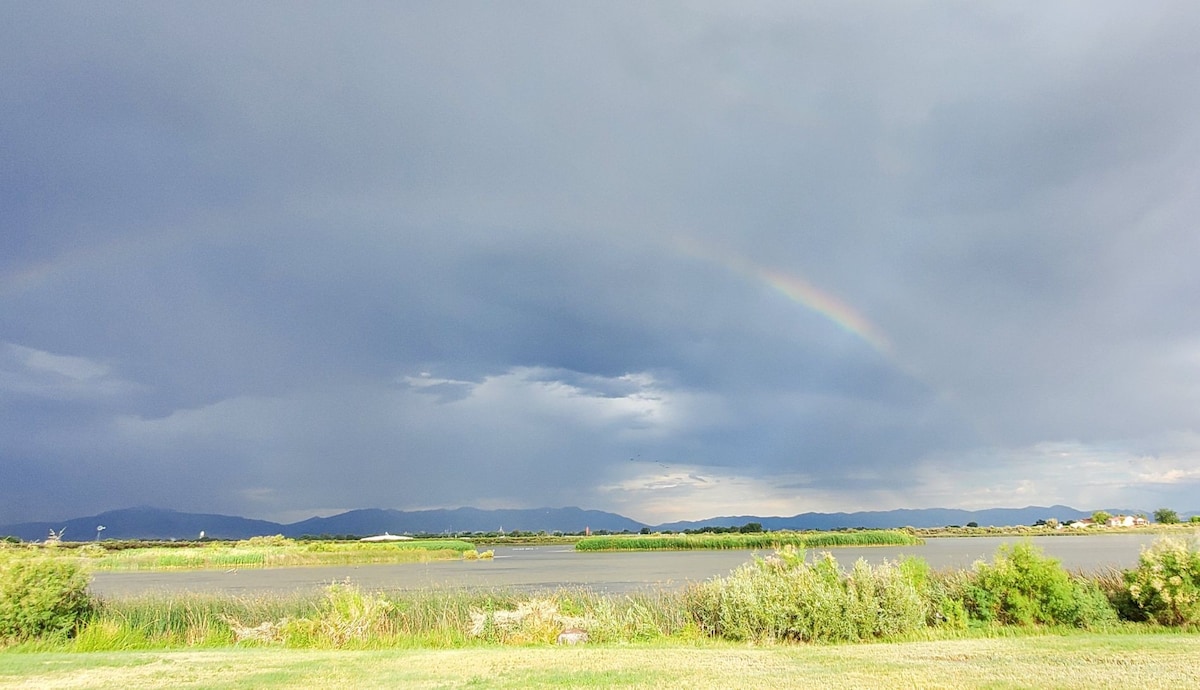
(159, 523)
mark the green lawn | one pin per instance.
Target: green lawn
(1079, 660)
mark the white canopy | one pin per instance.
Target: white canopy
(385, 537)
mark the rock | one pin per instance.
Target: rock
(572, 636)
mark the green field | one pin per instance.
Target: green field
(1087, 661)
(753, 540)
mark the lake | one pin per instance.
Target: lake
(536, 568)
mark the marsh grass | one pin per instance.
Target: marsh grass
(268, 554)
(753, 540)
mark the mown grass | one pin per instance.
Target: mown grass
(1079, 660)
(753, 540)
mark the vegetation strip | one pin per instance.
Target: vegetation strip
(753, 540)
(781, 598)
(257, 552)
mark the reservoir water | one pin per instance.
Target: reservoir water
(552, 567)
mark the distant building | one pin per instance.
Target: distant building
(1127, 521)
(386, 537)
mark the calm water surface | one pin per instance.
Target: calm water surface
(552, 567)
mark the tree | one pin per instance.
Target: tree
(1166, 516)
(1100, 517)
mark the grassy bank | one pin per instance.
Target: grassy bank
(753, 540)
(259, 552)
(1181, 530)
(1082, 660)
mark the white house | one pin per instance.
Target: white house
(1126, 521)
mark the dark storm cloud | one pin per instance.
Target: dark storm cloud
(271, 259)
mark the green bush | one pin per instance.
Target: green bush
(1024, 587)
(1166, 584)
(785, 598)
(42, 598)
(347, 617)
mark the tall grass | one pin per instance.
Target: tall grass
(753, 540)
(342, 616)
(248, 554)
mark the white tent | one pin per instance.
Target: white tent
(386, 537)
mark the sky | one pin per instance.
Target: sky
(671, 260)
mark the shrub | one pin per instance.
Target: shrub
(945, 597)
(1024, 587)
(1166, 584)
(42, 598)
(785, 598)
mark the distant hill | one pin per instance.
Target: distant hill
(374, 521)
(925, 517)
(158, 523)
(145, 523)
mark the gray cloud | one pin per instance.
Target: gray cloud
(280, 259)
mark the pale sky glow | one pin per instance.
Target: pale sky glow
(669, 260)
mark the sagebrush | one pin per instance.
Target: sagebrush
(42, 597)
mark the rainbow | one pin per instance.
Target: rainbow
(797, 290)
(82, 259)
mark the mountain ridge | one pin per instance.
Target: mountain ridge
(160, 523)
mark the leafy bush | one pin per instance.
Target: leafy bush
(42, 598)
(1024, 587)
(785, 598)
(1166, 584)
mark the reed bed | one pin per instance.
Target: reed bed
(753, 540)
(269, 555)
(345, 617)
